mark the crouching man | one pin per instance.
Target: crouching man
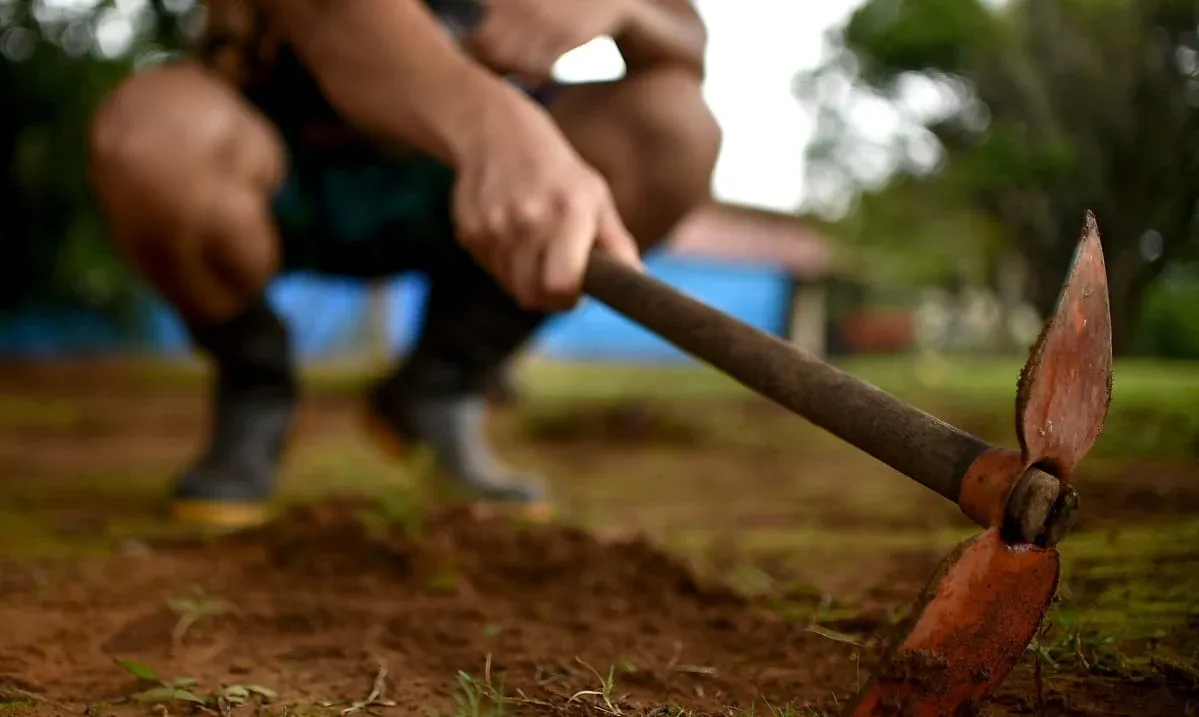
(368, 138)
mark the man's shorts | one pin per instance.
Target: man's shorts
(364, 215)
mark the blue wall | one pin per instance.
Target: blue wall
(326, 314)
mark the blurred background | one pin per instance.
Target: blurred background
(901, 189)
(923, 167)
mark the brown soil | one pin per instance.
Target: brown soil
(329, 602)
(1139, 491)
(317, 604)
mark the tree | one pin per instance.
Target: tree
(1018, 118)
(54, 70)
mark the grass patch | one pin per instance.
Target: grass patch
(1154, 413)
(155, 690)
(478, 698)
(34, 412)
(995, 377)
(1155, 409)
(1129, 600)
(1132, 587)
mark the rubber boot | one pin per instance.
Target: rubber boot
(438, 398)
(451, 426)
(254, 395)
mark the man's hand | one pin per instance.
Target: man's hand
(526, 37)
(526, 206)
(530, 210)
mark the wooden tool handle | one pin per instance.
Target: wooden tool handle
(922, 447)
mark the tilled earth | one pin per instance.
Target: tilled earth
(323, 605)
(344, 607)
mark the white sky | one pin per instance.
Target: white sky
(756, 47)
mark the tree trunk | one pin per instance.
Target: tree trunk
(1126, 315)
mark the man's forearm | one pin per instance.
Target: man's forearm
(663, 31)
(391, 70)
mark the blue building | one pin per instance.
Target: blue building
(740, 261)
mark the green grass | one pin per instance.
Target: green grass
(1142, 389)
(1155, 406)
(33, 412)
(1154, 412)
(977, 377)
(1134, 586)
(1152, 400)
(971, 380)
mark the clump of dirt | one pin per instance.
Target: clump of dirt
(339, 605)
(615, 423)
(314, 604)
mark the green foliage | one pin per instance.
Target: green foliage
(53, 249)
(1168, 326)
(182, 691)
(918, 35)
(52, 77)
(138, 670)
(897, 241)
(1023, 116)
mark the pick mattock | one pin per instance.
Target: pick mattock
(986, 602)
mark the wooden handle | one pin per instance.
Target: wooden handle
(921, 446)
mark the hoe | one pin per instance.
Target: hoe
(985, 603)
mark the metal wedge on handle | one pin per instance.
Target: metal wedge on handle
(985, 603)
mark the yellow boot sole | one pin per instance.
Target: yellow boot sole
(219, 514)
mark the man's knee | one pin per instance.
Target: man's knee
(135, 129)
(184, 171)
(162, 132)
(675, 138)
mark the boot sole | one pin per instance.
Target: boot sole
(219, 514)
(226, 515)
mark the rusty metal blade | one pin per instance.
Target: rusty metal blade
(1066, 386)
(979, 613)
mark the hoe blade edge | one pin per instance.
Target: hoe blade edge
(1066, 386)
(976, 619)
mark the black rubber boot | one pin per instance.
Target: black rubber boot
(502, 390)
(254, 394)
(438, 398)
(451, 428)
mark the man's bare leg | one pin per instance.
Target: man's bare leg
(655, 141)
(653, 138)
(185, 170)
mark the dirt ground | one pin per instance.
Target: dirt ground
(714, 556)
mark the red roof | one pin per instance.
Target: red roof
(743, 234)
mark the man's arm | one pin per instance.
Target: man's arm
(663, 31)
(391, 70)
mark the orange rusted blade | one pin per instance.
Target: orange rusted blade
(1066, 386)
(976, 618)
(987, 600)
